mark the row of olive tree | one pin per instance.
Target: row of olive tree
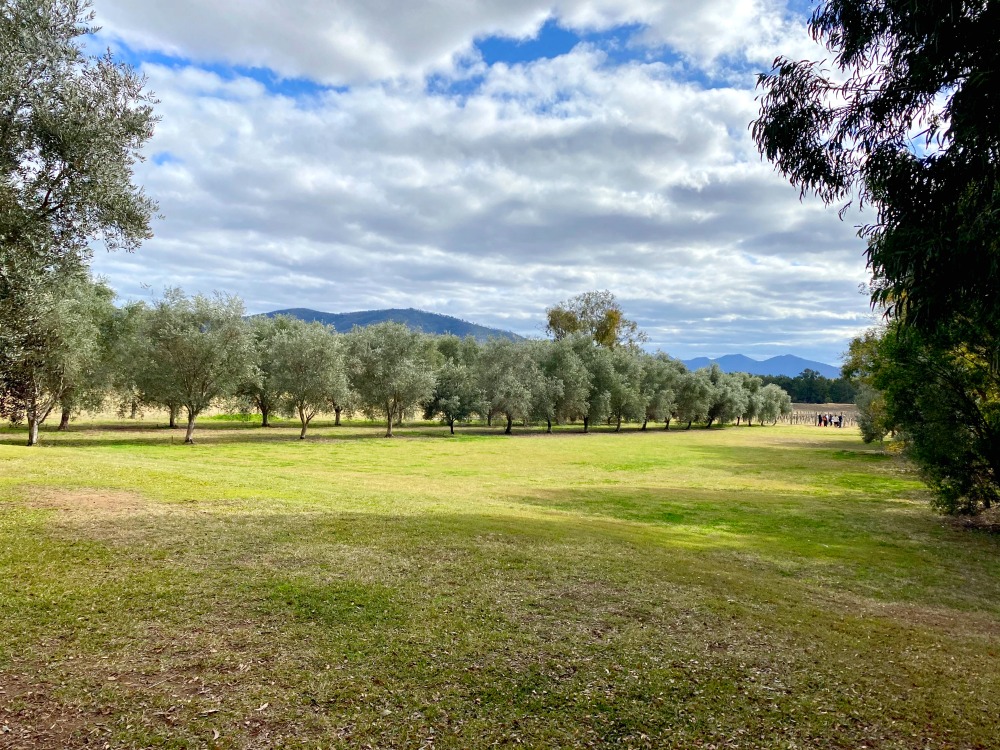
(184, 354)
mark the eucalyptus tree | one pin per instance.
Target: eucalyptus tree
(193, 351)
(390, 368)
(660, 381)
(509, 378)
(565, 385)
(902, 115)
(309, 370)
(59, 353)
(596, 314)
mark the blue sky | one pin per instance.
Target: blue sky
(485, 159)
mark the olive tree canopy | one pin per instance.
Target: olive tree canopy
(71, 129)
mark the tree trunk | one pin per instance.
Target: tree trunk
(510, 422)
(32, 431)
(451, 426)
(265, 416)
(644, 422)
(689, 424)
(618, 427)
(189, 437)
(489, 419)
(586, 424)
(173, 417)
(336, 411)
(135, 409)
(64, 420)
(305, 423)
(709, 425)
(388, 421)
(666, 424)
(549, 423)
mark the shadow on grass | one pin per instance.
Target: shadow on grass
(234, 432)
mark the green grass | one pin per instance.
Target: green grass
(763, 587)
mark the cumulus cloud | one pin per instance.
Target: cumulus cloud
(356, 41)
(542, 180)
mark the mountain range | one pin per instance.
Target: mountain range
(786, 364)
(419, 320)
(435, 323)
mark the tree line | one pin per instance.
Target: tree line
(809, 387)
(185, 354)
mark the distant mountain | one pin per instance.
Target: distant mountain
(786, 364)
(418, 320)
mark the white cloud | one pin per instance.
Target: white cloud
(355, 41)
(551, 178)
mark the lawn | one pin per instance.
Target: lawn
(781, 587)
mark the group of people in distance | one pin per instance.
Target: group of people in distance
(829, 420)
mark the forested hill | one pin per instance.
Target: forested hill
(787, 364)
(420, 320)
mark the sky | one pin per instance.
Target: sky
(485, 159)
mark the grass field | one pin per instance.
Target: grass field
(779, 587)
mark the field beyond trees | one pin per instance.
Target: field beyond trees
(747, 587)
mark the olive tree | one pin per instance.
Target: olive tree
(727, 399)
(626, 401)
(773, 402)
(60, 352)
(509, 378)
(752, 386)
(261, 388)
(309, 371)
(390, 368)
(455, 397)
(192, 351)
(565, 385)
(603, 379)
(660, 381)
(71, 129)
(694, 396)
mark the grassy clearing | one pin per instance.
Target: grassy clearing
(762, 587)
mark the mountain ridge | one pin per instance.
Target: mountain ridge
(438, 324)
(421, 320)
(789, 365)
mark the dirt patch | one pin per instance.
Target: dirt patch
(987, 520)
(31, 718)
(90, 502)
(959, 624)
